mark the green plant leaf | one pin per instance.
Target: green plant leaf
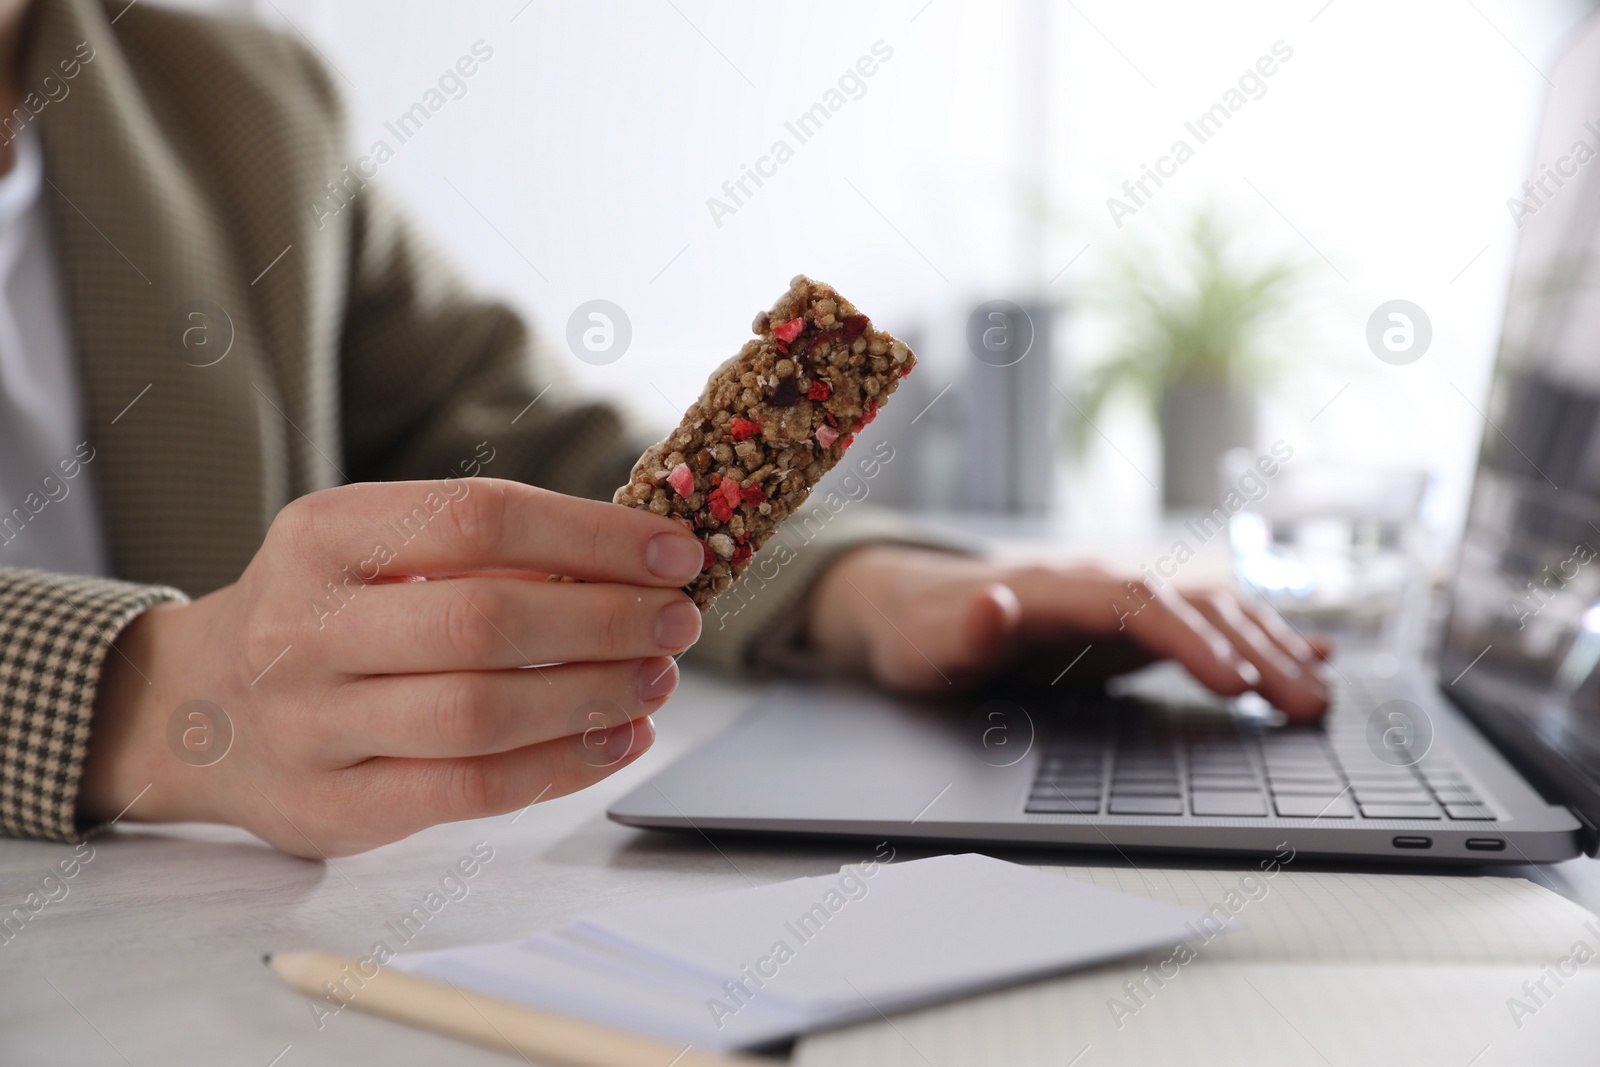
(1207, 320)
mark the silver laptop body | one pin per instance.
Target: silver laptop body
(1493, 756)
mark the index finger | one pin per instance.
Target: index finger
(1158, 620)
(1169, 626)
(455, 525)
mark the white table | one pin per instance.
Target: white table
(154, 956)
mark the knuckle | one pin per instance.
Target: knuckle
(473, 787)
(301, 510)
(266, 640)
(1142, 589)
(307, 520)
(1084, 571)
(292, 528)
(464, 716)
(476, 522)
(595, 553)
(466, 626)
(357, 817)
(614, 626)
(1033, 575)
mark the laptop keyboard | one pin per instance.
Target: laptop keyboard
(1173, 764)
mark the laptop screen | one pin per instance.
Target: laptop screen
(1524, 627)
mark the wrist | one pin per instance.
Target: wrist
(853, 587)
(127, 752)
(858, 592)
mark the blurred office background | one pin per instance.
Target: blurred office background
(974, 164)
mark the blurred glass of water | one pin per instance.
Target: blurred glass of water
(1333, 543)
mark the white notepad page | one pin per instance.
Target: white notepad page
(747, 966)
(1325, 969)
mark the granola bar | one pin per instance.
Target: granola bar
(771, 422)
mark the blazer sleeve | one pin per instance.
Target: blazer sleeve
(55, 633)
(431, 374)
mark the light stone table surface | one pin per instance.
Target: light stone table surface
(154, 955)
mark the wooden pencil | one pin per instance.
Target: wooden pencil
(500, 1024)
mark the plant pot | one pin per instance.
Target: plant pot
(1199, 422)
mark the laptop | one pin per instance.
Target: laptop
(1490, 756)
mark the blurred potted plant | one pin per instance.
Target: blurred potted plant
(1193, 343)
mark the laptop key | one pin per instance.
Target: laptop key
(1070, 770)
(1222, 770)
(1457, 796)
(1076, 798)
(1299, 766)
(1077, 781)
(1275, 747)
(1224, 783)
(1400, 811)
(1305, 785)
(1312, 807)
(1383, 781)
(1328, 789)
(1064, 807)
(1167, 788)
(1241, 804)
(1041, 792)
(1391, 796)
(1471, 812)
(1139, 805)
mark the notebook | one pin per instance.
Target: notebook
(747, 967)
(1322, 969)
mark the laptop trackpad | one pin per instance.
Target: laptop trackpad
(850, 754)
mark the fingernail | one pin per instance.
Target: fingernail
(678, 625)
(1247, 671)
(630, 738)
(644, 735)
(675, 558)
(658, 676)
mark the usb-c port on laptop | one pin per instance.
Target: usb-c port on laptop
(1486, 844)
(1404, 841)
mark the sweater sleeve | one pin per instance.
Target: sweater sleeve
(55, 633)
(757, 625)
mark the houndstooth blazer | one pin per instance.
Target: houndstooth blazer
(183, 163)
